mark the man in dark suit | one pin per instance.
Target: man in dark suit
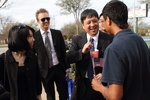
(50, 48)
(79, 54)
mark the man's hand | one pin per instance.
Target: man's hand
(87, 47)
(96, 84)
(98, 76)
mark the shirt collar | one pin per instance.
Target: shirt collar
(95, 37)
(42, 32)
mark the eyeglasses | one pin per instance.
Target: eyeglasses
(101, 21)
(45, 18)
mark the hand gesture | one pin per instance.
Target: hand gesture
(87, 47)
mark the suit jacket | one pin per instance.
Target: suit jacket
(82, 60)
(40, 50)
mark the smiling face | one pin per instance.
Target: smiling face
(91, 25)
(44, 24)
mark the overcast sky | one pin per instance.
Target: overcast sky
(24, 10)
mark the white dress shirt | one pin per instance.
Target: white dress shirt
(95, 44)
(54, 56)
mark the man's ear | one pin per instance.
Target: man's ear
(82, 25)
(109, 20)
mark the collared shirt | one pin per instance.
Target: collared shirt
(54, 56)
(95, 40)
(95, 44)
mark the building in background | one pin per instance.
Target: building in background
(3, 39)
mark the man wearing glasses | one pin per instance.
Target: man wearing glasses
(101, 21)
(50, 48)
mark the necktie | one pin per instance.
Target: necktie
(48, 49)
(92, 42)
(90, 67)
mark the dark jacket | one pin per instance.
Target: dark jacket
(32, 73)
(40, 50)
(82, 60)
(4, 95)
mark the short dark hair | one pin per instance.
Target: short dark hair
(17, 38)
(88, 13)
(117, 11)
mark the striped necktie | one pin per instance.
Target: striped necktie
(92, 42)
(48, 49)
(90, 67)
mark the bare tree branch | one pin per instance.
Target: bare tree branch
(4, 21)
(73, 7)
(4, 4)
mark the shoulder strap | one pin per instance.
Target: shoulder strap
(4, 69)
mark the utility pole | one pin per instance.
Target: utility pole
(135, 19)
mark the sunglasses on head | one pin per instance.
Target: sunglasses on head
(20, 25)
(45, 18)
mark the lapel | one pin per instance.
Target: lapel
(38, 38)
(83, 42)
(54, 37)
(83, 39)
(39, 44)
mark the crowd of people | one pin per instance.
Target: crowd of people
(119, 71)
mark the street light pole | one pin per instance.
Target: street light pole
(135, 19)
(134, 14)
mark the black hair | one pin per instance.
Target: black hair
(88, 13)
(117, 11)
(101, 15)
(17, 38)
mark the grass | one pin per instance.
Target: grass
(148, 43)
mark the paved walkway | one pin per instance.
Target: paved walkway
(44, 95)
(2, 50)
